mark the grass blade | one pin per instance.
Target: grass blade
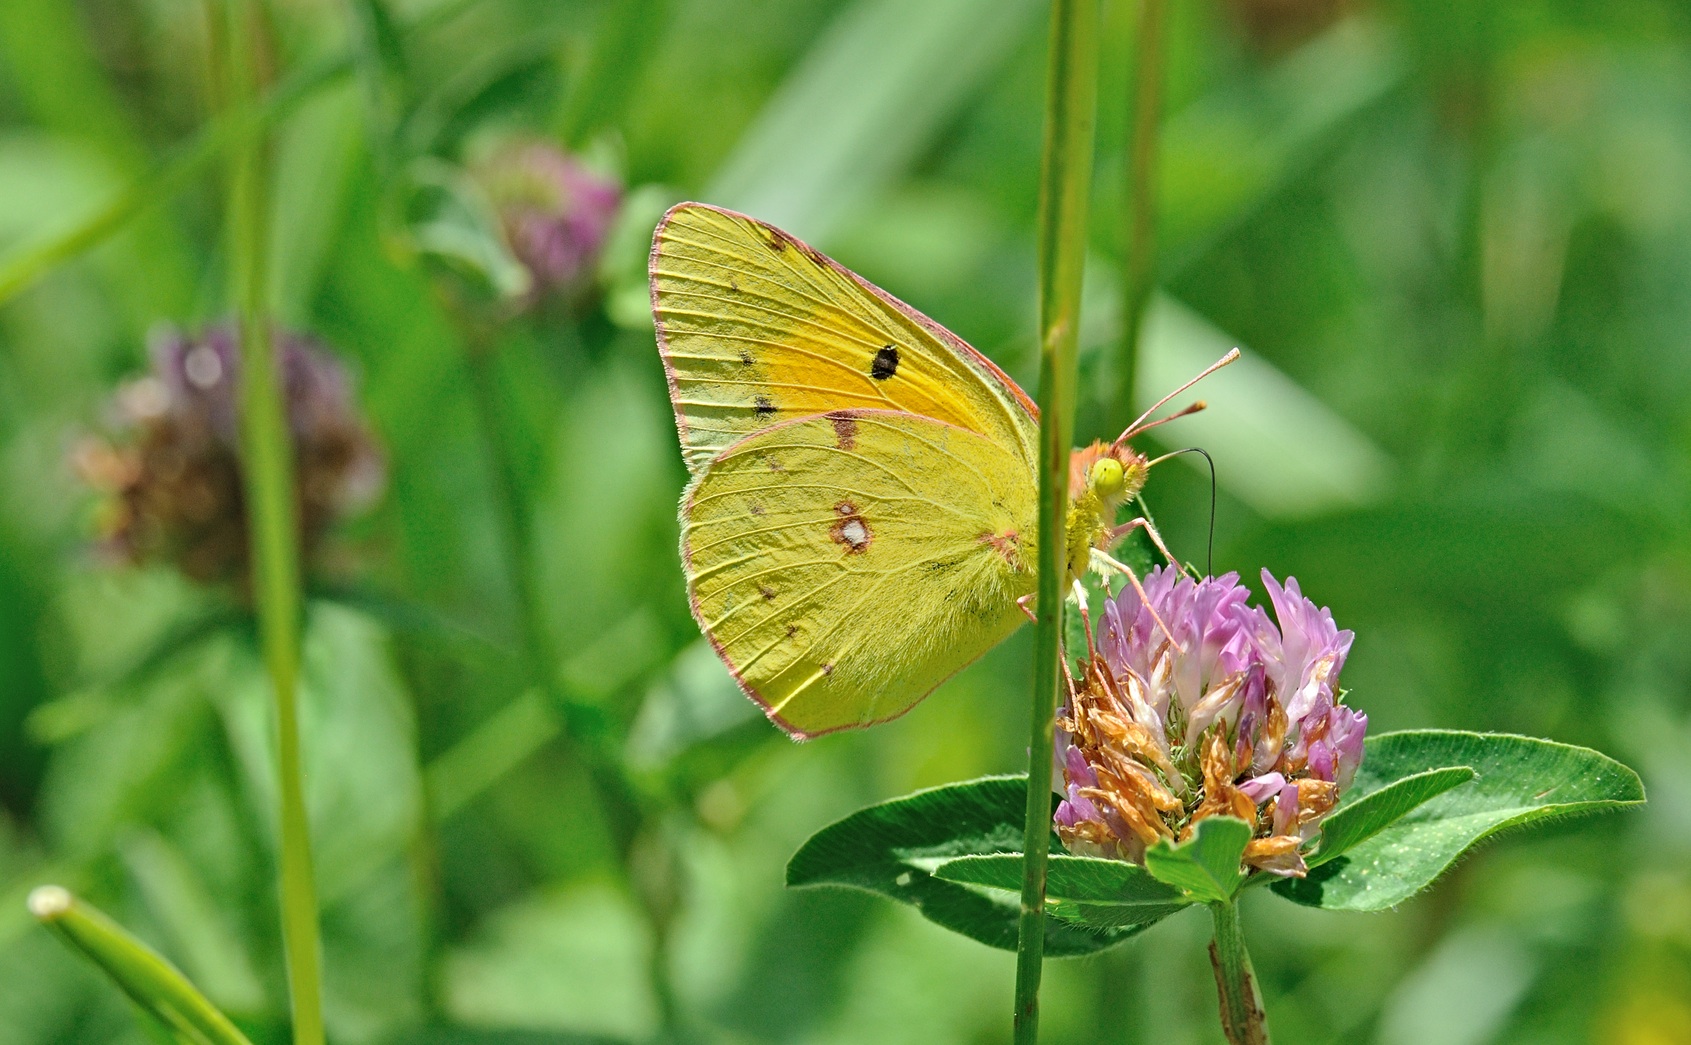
(154, 984)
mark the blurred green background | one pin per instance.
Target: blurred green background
(1454, 240)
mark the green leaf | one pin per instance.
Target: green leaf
(1207, 865)
(1094, 892)
(483, 757)
(452, 223)
(139, 971)
(1079, 878)
(1519, 781)
(574, 958)
(1371, 813)
(195, 930)
(893, 849)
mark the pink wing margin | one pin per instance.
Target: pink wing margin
(962, 348)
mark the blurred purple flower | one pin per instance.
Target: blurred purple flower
(173, 476)
(1193, 704)
(556, 214)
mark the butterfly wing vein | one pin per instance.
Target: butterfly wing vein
(844, 594)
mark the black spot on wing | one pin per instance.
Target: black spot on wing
(885, 364)
(763, 405)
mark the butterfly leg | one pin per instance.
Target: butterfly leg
(1025, 608)
(1104, 563)
(1156, 538)
(1086, 627)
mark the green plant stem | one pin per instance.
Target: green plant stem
(154, 984)
(1242, 1018)
(268, 475)
(1065, 183)
(1141, 189)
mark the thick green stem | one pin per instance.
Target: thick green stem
(1141, 188)
(1065, 184)
(1242, 1018)
(268, 474)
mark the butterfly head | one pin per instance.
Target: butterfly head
(1101, 478)
(1106, 474)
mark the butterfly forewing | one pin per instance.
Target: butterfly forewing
(844, 565)
(757, 328)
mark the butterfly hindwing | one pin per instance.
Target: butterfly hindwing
(844, 565)
(757, 328)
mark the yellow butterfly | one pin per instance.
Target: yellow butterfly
(861, 517)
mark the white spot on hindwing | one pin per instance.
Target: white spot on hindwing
(851, 531)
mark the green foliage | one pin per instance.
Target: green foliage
(1400, 827)
(1453, 249)
(1365, 815)
(1087, 890)
(894, 849)
(1516, 781)
(1206, 867)
(150, 981)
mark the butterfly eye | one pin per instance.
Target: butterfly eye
(1107, 478)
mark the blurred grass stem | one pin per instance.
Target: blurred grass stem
(154, 984)
(268, 474)
(231, 129)
(1071, 101)
(1141, 194)
(1242, 1018)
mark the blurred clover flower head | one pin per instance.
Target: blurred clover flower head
(1236, 716)
(555, 212)
(172, 476)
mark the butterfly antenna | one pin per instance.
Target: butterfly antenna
(1134, 429)
(1209, 567)
(1197, 405)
